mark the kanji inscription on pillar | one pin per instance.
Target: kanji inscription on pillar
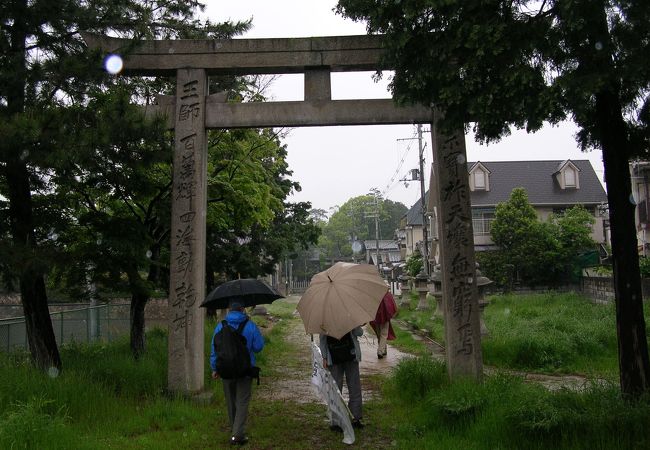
(187, 264)
(460, 297)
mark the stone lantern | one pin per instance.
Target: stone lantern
(405, 291)
(481, 284)
(435, 289)
(422, 290)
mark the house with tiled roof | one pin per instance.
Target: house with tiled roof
(552, 187)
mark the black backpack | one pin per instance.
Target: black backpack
(233, 359)
(341, 350)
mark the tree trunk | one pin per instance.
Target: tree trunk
(40, 334)
(630, 324)
(137, 336)
(139, 298)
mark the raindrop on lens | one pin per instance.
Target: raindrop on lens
(113, 64)
(53, 372)
(506, 311)
(99, 242)
(599, 45)
(24, 155)
(460, 159)
(148, 253)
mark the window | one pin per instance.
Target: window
(479, 179)
(569, 178)
(482, 220)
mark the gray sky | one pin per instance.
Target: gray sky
(334, 164)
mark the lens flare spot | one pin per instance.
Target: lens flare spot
(113, 64)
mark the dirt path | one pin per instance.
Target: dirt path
(295, 383)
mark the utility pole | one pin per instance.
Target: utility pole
(375, 214)
(425, 237)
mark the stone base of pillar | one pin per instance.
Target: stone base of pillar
(439, 313)
(259, 310)
(405, 299)
(423, 305)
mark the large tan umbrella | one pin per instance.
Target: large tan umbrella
(341, 298)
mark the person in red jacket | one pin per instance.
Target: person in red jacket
(381, 324)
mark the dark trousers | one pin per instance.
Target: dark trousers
(238, 395)
(353, 380)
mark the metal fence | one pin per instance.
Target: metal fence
(89, 324)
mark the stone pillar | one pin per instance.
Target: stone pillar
(187, 263)
(405, 292)
(460, 300)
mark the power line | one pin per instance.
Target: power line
(394, 178)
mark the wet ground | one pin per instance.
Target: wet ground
(295, 382)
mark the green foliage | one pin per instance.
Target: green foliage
(524, 242)
(644, 266)
(354, 220)
(534, 252)
(414, 263)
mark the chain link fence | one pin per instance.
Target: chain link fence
(81, 325)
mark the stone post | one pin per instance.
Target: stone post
(187, 265)
(460, 300)
(436, 292)
(405, 292)
(422, 290)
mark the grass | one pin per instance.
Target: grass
(505, 413)
(103, 399)
(553, 333)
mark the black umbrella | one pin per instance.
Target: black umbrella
(248, 291)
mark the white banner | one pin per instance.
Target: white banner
(337, 411)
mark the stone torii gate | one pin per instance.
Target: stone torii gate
(193, 110)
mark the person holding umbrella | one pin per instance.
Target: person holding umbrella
(381, 324)
(237, 391)
(342, 357)
(337, 303)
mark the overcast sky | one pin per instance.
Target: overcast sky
(334, 164)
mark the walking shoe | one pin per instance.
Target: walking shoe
(238, 440)
(356, 423)
(336, 428)
(379, 356)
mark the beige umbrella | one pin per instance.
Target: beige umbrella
(341, 298)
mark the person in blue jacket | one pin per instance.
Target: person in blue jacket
(237, 392)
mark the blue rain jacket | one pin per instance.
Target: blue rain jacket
(254, 338)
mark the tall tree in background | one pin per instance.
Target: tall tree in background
(354, 220)
(45, 68)
(500, 63)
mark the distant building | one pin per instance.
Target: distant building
(552, 187)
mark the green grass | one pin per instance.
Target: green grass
(505, 413)
(555, 333)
